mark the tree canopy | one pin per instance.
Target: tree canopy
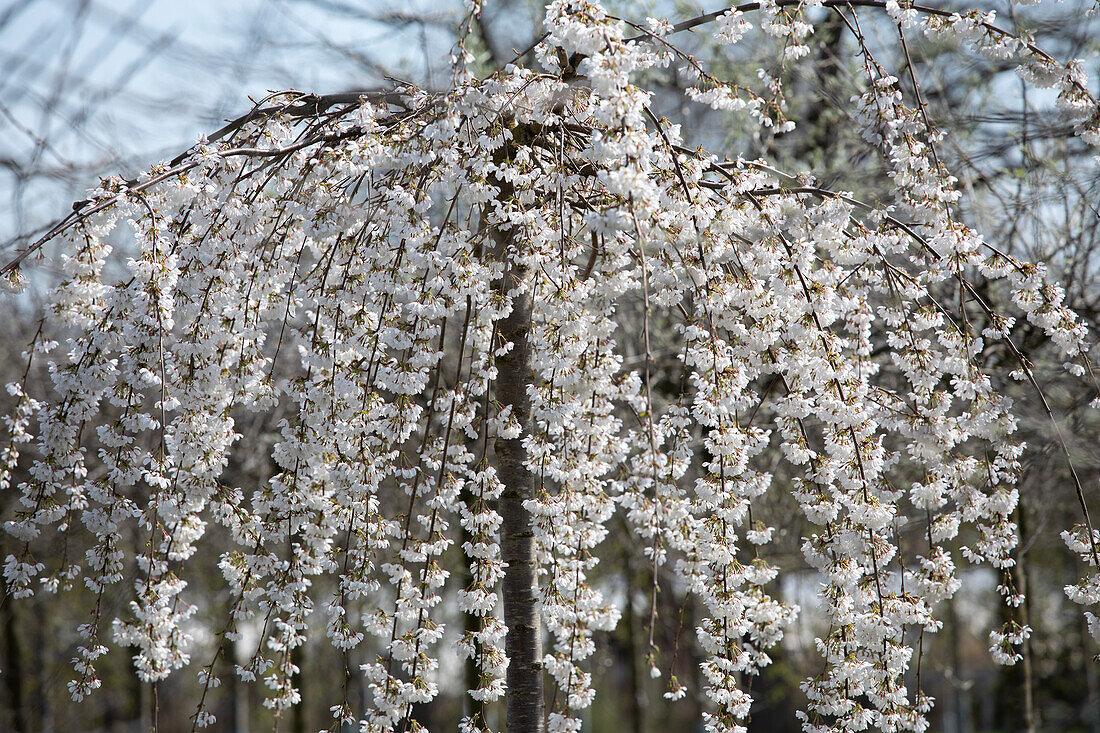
(472, 330)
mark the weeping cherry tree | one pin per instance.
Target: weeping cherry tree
(444, 305)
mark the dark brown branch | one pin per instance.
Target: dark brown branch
(304, 107)
(705, 18)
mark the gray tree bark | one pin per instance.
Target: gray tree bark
(523, 642)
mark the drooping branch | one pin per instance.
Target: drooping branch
(300, 107)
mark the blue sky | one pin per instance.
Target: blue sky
(91, 87)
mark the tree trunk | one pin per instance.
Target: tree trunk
(523, 642)
(13, 662)
(959, 693)
(629, 623)
(1092, 702)
(470, 672)
(298, 712)
(1020, 571)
